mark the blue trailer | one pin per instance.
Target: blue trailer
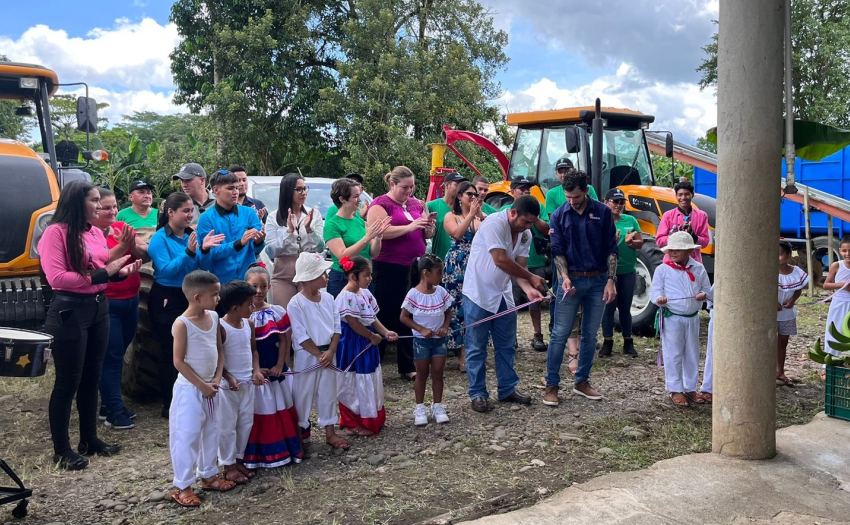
(830, 175)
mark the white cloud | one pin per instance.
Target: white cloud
(126, 102)
(678, 107)
(129, 55)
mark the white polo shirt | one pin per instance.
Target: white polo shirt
(484, 283)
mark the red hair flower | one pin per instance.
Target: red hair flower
(346, 263)
(261, 264)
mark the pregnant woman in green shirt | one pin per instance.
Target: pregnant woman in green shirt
(628, 242)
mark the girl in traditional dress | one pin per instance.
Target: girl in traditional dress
(838, 279)
(360, 387)
(275, 438)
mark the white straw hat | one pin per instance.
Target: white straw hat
(681, 241)
(310, 266)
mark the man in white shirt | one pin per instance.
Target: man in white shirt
(499, 251)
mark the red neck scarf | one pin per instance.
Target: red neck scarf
(671, 264)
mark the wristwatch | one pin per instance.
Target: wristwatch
(613, 278)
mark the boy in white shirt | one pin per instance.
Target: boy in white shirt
(315, 335)
(679, 288)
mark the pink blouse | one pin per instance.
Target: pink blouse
(401, 250)
(699, 223)
(52, 250)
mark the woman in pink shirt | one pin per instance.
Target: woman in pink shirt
(78, 265)
(403, 242)
(684, 218)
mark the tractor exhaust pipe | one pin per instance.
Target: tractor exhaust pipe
(596, 166)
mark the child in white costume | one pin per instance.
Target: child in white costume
(679, 287)
(838, 280)
(199, 359)
(707, 387)
(241, 372)
(315, 336)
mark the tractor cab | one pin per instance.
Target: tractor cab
(544, 137)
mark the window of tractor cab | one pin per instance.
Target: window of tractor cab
(537, 151)
(626, 159)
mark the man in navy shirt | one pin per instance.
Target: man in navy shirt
(244, 199)
(584, 249)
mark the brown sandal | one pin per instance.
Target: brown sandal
(338, 442)
(218, 484)
(694, 397)
(706, 397)
(232, 473)
(679, 399)
(186, 500)
(787, 381)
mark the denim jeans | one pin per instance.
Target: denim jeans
(588, 295)
(623, 303)
(123, 317)
(503, 331)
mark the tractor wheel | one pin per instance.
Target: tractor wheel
(649, 257)
(141, 361)
(497, 200)
(820, 249)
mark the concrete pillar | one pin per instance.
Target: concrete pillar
(749, 131)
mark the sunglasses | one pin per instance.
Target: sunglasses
(471, 194)
(619, 202)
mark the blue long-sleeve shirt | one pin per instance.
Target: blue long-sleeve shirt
(231, 260)
(585, 240)
(172, 261)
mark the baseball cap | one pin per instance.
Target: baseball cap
(520, 181)
(190, 170)
(615, 194)
(454, 177)
(354, 176)
(138, 185)
(564, 163)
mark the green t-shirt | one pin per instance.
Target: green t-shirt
(442, 241)
(331, 212)
(555, 197)
(489, 210)
(628, 256)
(535, 260)
(349, 230)
(128, 215)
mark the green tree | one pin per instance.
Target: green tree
(667, 173)
(820, 40)
(257, 67)
(412, 66)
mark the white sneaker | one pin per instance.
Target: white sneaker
(438, 412)
(420, 415)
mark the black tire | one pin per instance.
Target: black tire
(498, 200)
(649, 257)
(820, 250)
(141, 361)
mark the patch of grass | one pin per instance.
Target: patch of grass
(674, 433)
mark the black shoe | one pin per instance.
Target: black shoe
(479, 404)
(70, 461)
(607, 346)
(538, 344)
(100, 448)
(629, 347)
(164, 412)
(516, 397)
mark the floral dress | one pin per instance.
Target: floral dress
(454, 268)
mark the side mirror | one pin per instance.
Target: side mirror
(573, 143)
(87, 114)
(668, 146)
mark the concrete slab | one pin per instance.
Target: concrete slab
(807, 482)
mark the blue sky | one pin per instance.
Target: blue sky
(640, 54)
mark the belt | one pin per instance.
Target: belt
(667, 313)
(586, 274)
(73, 297)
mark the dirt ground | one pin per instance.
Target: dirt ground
(477, 464)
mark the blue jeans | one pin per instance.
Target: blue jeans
(431, 347)
(336, 282)
(588, 295)
(503, 331)
(123, 317)
(625, 294)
